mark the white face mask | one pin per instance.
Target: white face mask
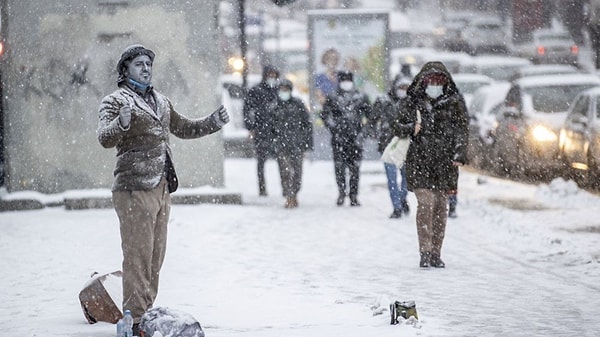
(272, 82)
(401, 93)
(434, 91)
(285, 95)
(347, 85)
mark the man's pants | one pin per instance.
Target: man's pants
(261, 158)
(347, 157)
(143, 217)
(432, 214)
(290, 171)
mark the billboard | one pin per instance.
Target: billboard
(355, 40)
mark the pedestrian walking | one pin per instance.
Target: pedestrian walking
(136, 119)
(438, 148)
(259, 104)
(293, 137)
(385, 110)
(344, 114)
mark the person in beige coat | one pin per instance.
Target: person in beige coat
(137, 120)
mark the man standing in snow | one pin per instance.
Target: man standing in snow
(293, 137)
(344, 114)
(137, 120)
(258, 109)
(438, 148)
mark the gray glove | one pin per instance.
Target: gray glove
(125, 116)
(220, 116)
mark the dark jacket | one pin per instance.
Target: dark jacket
(259, 104)
(443, 136)
(143, 151)
(343, 114)
(385, 110)
(293, 127)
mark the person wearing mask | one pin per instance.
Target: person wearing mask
(437, 150)
(385, 110)
(343, 114)
(136, 119)
(293, 137)
(326, 82)
(258, 108)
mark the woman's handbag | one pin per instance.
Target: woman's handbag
(395, 151)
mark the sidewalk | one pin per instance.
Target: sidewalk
(521, 261)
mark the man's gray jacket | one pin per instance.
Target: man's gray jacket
(143, 151)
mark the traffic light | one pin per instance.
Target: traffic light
(282, 3)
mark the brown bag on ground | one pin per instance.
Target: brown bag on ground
(99, 298)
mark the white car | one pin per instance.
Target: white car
(483, 110)
(579, 139)
(526, 139)
(546, 69)
(486, 34)
(469, 83)
(500, 68)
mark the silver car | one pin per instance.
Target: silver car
(550, 46)
(579, 139)
(526, 138)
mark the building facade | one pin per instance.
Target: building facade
(60, 61)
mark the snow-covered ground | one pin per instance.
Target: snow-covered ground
(522, 260)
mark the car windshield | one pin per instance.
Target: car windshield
(469, 87)
(554, 37)
(500, 72)
(549, 99)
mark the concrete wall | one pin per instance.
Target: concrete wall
(60, 62)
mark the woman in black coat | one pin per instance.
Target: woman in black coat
(435, 117)
(293, 135)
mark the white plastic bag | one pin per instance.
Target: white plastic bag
(395, 151)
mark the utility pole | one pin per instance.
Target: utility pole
(243, 43)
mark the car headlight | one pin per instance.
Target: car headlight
(542, 133)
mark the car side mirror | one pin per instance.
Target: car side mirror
(580, 119)
(511, 112)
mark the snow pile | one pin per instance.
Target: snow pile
(564, 193)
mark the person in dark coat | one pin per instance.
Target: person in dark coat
(438, 148)
(293, 137)
(343, 114)
(137, 120)
(259, 105)
(385, 110)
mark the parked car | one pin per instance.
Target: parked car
(550, 46)
(526, 138)
(453, 61)
(486, 34)
(500, 68)
(483, 113)
(468, 83)
(546, 69)
(579, 139)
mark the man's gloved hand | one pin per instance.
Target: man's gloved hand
(221, 116)
(125, 116)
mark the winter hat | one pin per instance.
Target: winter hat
(401, 81)
(268, 70)
(285, 83)
(435, 76)
(128, 54)
(345, 75)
